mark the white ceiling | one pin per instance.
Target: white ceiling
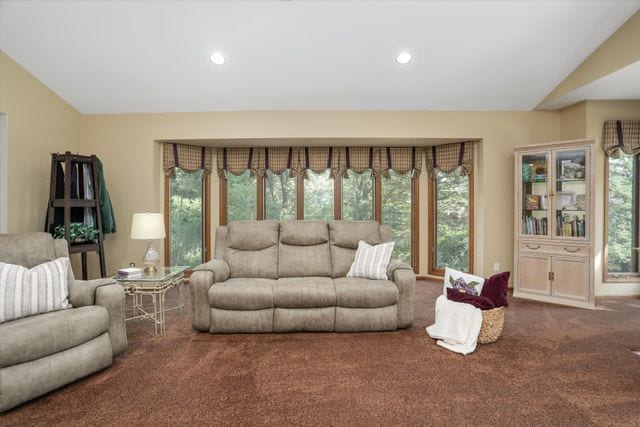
(144, 56)
(621, 84)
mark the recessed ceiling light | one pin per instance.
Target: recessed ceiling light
(217, 58)
(403, 58)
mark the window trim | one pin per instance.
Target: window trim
(606, 276)
(206, 196)
(431, 197)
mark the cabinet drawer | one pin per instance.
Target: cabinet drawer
(568, 249)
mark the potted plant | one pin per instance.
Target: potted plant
(78, 233)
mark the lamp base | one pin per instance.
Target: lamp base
(151, 259)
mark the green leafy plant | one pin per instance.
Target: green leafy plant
(78, 232)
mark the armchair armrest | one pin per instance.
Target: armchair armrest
(201, 279)
(108, 294)
(405, 279)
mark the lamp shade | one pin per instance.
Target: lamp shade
(147, 226)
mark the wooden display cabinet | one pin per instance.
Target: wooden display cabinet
(554, 245)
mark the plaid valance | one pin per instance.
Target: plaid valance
(448, 158)
(338, 160)
(189, 158)
(621, 135)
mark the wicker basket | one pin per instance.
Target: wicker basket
(492, 325)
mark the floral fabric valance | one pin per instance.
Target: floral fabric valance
(448, 158)
(621, 136)
(338, 160)
(189, 158)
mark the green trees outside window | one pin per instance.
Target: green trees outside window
(623, 220)
(452, 231)
(279, 196)
(318, 196)
(186, 216)
(357, 197)
(396, 212)
(242, 197)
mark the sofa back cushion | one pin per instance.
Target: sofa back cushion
(252, 249)
(304, 249)
(27, 249)
(344, 237)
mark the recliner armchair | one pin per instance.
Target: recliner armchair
(43, 352)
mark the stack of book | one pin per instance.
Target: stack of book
(130, 273)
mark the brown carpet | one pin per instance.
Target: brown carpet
(553, 365)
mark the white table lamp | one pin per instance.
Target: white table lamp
(148, 226)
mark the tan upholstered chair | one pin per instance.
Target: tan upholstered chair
(43, 352)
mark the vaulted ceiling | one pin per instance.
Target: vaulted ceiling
(143, 56)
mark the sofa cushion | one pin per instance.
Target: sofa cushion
(252, 235)
(242, 294)
(304, 233)
(304, 261)
(347, 234)
(344, 237)
(355, 292)
(31, 338)
(27, 249)
(304, 292)
(262, 263)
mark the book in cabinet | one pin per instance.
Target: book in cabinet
(554, 211)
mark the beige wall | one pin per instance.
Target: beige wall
(39, 123)
(126, 145)
(597, 113)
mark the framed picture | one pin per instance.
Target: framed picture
(532, 202)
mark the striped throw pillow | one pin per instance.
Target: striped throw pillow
(371, 262)
(25, 292)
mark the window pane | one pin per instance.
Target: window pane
(357, 197)
(452, 221)
(279, 196)
(623, 215)
(241, 197)
(396, 212)
(186, 218)
(318, 196)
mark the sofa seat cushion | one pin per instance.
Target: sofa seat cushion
(355, 292)
(304, 292)
(33, 337)
(242, 294)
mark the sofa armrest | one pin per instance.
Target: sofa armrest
(201, 279)
(83, 292)
(405, 279)
(108, 294)
(112, 298)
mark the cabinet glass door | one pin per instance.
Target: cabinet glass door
(535, 194)
(570, 197)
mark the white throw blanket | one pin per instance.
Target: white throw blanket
(457, 325)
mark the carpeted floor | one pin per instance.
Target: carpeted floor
(553, 365)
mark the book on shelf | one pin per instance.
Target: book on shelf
(570, 226)
(534, 226)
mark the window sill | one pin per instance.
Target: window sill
(622, 279)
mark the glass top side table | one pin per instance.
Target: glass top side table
(156, 286)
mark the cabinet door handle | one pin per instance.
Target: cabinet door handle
(573, 251)
(533, 247)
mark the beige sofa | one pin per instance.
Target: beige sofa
(43, 352)
(270, 276)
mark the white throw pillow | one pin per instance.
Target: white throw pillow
(451, 275)
(371, 262)
(25, 292)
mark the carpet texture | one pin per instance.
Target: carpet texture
(553, 365)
